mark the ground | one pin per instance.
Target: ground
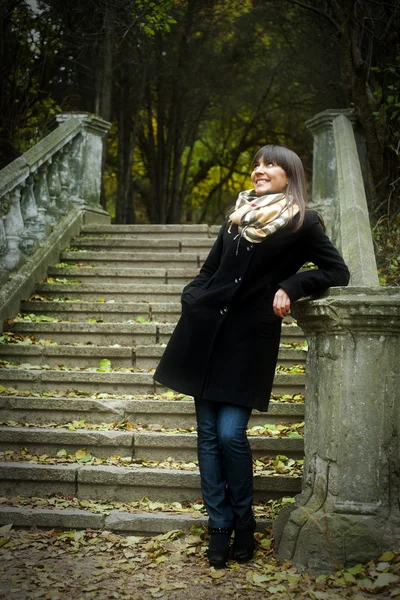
(86, 564)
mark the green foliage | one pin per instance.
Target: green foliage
(387, 250)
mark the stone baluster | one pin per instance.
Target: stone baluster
(3, 238)
(54, 185)
(30, 216)
(3, 249)
(65, 177)
(43, 200)
(14, 229)
(75, 169)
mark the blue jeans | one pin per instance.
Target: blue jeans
(225, 461)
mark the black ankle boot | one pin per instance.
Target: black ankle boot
(218, 547)
(244, 544)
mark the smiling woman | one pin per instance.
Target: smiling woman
(224, 349)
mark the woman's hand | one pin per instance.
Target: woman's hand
(281, 304)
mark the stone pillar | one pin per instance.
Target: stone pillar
(349, 508)
(87, 169)
(14, 228)
(324, 182)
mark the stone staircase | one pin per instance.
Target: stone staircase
(87, 438)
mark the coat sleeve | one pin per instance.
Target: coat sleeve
(332, 270)
(210, 265)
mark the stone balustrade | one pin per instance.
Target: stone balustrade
(48, 191)
(39, 188)
(349, 509)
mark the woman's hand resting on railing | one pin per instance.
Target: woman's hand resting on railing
(281, 304)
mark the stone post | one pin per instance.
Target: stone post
(87, 168)
(324, 181)
(349, 508)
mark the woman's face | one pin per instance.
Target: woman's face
(268, 177)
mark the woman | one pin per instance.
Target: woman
(224, 349)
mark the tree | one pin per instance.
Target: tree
(368, 34)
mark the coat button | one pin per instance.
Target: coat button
(249, 248)
(238, 279)
(223, 310)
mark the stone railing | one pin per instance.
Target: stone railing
(45, 195)
(349, 509)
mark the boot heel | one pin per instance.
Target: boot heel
(244, 545)
(218, 549)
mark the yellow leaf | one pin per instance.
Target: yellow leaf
(386, 557)
(257, 578)
(217, 574)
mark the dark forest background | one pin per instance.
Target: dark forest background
(194, 87)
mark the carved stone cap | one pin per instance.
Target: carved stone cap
(91, 123)
(324, 119)
(340, 310)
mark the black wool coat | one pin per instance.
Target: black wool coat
(225, 345)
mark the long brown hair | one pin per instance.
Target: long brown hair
(293, 167)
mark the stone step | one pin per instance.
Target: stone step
(109, 311)
(108, 291)
(123, 484)
(124, 275)
(127, 334)
(135, 259)
(133, 444)
(114, 382)
(71, 356)
(178, 232)
(141, 357)
(134, 523)
(144, 244)
(167, 413)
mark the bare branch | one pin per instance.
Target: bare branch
(318, 11)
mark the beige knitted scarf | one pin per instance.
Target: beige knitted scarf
(257, 217)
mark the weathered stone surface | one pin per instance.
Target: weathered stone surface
(26, 479)
(151, 523)
(74, 356)
(68, 518)
(149, 446)
(348, 511)
(138, 244)
(60, 410)
(48, 441)
(23, 283)
(168, 413)
(128, 334)
(355, 230)
(135, 523)
(89, 163)
(112, 383)
(118, 483)
(165, 231)
(183, 446)
(133, 259)
(105, 291)
(325, 183)
(124, 275)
